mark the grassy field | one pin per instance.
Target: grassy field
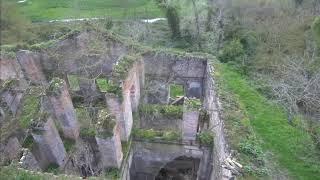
(293, 149)
(44, 10)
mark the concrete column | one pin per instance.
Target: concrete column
(50, 148)
(65, 112)
(110, 149)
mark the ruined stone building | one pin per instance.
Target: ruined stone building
(94, 105)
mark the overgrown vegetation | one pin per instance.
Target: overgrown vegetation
(206, 138)
(156, 110)
(53, 168)
(68, 144)
(176, 90)
(55, 86)
(73, 82)
(112, 173)
(30, 110)
(193, 104)
(109, 87)
(293, 148)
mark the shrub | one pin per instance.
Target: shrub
(53, 168)
(112, 173)
(88, 132)
(233, 51)
(206, 138)
(30, 109)
(156, 110)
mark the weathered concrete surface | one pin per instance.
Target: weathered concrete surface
(160, 123)
(149, 158)
(220, 150)
(65, 112)
(30, 63)
(162, 64)
(49, 146)
(13, 100)
(132, 84)
(110, 149)
(190, 125)
(28, 161)
(87, 54)
(9, 69)
(12, 149)
(127, 122)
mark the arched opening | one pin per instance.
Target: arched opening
(181, 168)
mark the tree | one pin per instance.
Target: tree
(172, 15)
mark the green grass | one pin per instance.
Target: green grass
(176, 90)
(293, 148)
(73, 82)
(30, 110)
(44, 10)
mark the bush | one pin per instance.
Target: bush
(206, 138)
(232, 52)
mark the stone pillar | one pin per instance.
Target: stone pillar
(126, 124)
(110, 149)
(190, 125)
(65, 112)
(50, 148)
(31, 66)
(114, 105)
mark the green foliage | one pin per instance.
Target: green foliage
(293, 148)
(8, 84)
(30, 110)
(151, 135)
(176, 90)
(249, 42)
(28, 142)
(73, 82)
(316, 30)
(172, 14)
(88, 132)
(112, 173)
(232, 52)
(206, 138)
(55, 86)
(157, 110)
(192, 104)
(68, 144)
(105, 124)
(53, 168)
(109, 87)
(122, 68)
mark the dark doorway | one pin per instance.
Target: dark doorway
(182, 168)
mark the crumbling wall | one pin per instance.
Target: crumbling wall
(220, 148)
(30, 63)
(85, 54)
